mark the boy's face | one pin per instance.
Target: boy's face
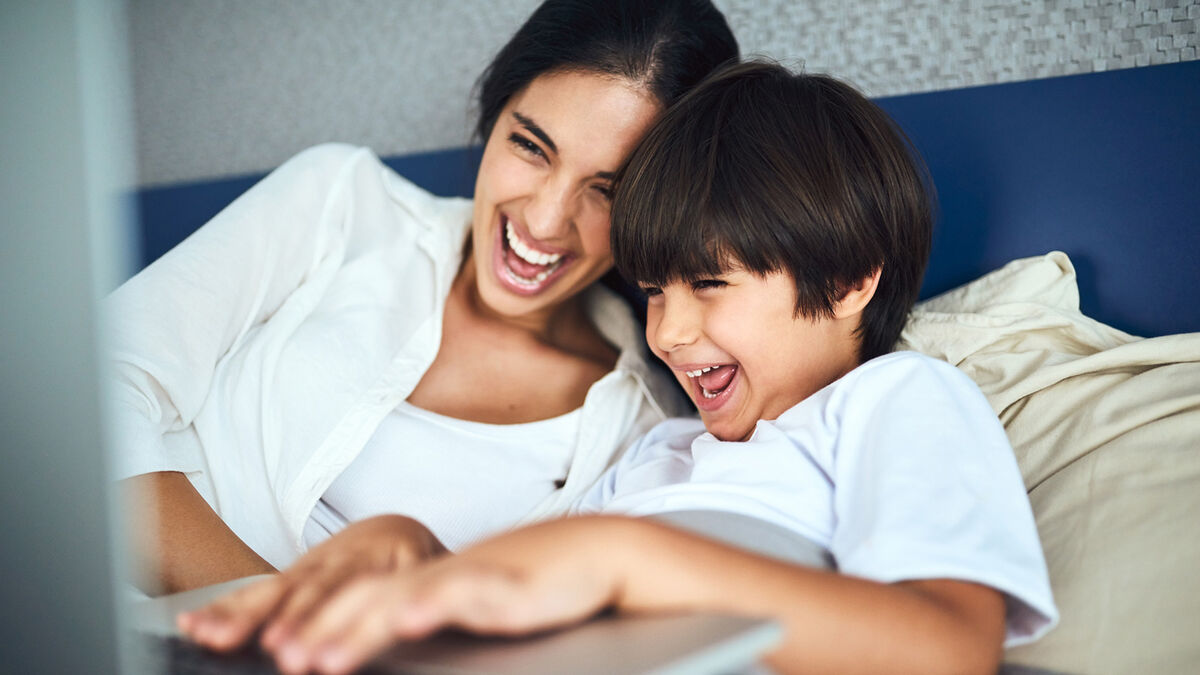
(737, 347)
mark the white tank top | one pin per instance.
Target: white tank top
(463, 480)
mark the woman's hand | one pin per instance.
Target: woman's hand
(535, 578)
(383, 544)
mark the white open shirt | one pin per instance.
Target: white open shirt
(260, 355)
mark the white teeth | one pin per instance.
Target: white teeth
(528, 254)
(707, 393)
(698, 373)
(541, 276)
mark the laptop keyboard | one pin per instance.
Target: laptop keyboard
(181, 657)
(177, 656)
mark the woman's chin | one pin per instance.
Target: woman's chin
(501, 298)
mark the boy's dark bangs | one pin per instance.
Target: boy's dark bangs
(679, 214)
(680, 244)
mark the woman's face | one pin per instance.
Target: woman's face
(540, 229)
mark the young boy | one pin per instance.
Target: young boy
(780, 228)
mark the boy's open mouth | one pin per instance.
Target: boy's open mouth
(712, 384)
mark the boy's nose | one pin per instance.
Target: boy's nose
(676, 326)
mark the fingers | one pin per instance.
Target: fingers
(370, 613)
(307, 589)
(332, 616)
(380, 543)
(346, 631)
(229, 621)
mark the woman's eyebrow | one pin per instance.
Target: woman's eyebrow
(544, 137)
(535, 130)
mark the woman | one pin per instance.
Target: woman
(337, 344)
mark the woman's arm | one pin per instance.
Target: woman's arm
(177, 541)
(168, 329)
(564, 571)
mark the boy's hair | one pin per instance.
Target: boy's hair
(779, 172)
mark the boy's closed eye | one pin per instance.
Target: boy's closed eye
(706, 284)
(696, 286)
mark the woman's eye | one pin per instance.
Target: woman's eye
(604, 191)
(651, 291)
(525, 145)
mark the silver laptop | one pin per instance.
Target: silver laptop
(67, 158)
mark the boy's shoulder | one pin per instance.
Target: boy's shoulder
(902, 367)
(903, 371)
(904, 375)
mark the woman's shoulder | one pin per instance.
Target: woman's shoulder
(327, 160)
(357, 172)
(329, 153)
(336, 159)
(321, 172)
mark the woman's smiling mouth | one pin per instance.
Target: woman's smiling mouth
(520, 267)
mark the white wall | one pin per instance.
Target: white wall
(235, 86)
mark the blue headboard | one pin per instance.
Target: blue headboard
(1104, 166)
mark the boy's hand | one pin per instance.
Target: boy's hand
(535, 578)
(277, 605)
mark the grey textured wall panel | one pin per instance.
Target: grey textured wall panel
(234, 86)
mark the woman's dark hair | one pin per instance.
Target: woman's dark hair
(780, 172)
(666, 45)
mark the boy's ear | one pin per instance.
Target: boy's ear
(856, 295)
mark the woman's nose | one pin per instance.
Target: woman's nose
(550, 210)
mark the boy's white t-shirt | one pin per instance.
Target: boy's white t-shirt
(899, 469)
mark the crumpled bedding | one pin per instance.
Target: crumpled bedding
(1106, 430)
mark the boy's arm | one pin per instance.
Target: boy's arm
(832, 622)
(560, 572)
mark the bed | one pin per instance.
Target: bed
(1063, 279)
